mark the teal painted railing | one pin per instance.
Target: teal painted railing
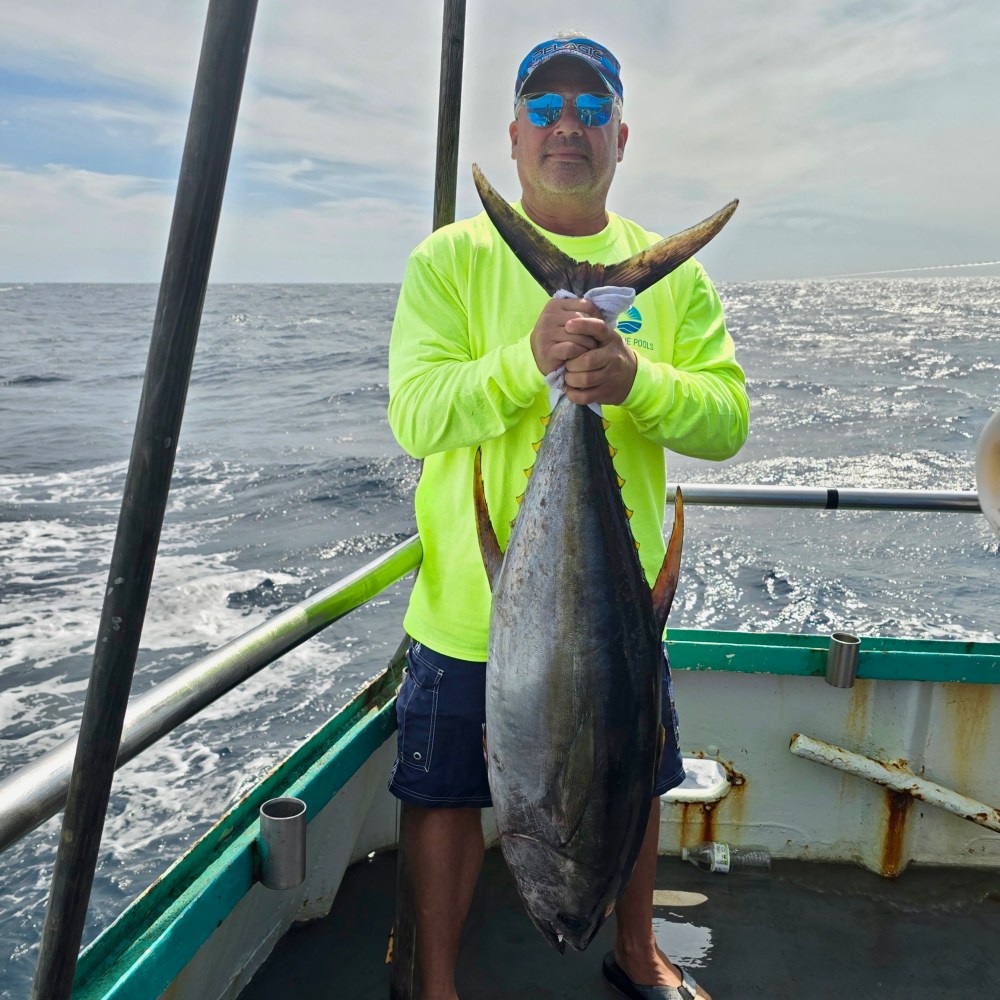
(805, 656)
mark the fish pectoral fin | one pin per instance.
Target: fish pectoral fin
(574, 782)
(666, 580)
(489, 546)
(649, 265)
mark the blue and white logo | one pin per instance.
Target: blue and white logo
(631, 322)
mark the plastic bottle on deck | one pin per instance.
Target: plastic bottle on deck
(713, 856)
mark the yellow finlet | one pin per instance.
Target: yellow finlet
(527, 472)
(605, 423)
(520, 500)
(621, 482)
(629, 513)
(545, 421)
(536, 445)
(612, 451)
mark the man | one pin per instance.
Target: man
(473, 338)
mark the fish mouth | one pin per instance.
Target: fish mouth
(567, 928)
(578, 931)
(541, 873)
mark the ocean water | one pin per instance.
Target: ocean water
(287, 478)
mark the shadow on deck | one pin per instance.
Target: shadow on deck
(803, 932)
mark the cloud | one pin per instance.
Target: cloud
(826, 109)
(362, 239)
(62, 223)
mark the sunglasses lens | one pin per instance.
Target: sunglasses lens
(544, 109)
(594, 110)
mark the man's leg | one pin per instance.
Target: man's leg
(636, 950)
(444, 852)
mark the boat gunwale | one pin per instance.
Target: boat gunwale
(228, 855)
(804, 655)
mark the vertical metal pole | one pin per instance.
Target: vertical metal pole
(449, 112)
(404, 935)
(200, 187)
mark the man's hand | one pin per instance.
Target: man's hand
(603, 374)
(600, 367)
(553, 344)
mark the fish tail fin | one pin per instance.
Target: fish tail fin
(489, 546)
(666, 580)
(554, 270)
(655, 262)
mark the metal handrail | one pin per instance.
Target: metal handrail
(824, 498)
(38, 790)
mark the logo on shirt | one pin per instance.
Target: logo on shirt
(631, 322)
(629, 325)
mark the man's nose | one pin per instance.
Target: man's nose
(569, 120)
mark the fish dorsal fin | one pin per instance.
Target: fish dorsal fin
(554, 270)
(489, 546)
(666, 580)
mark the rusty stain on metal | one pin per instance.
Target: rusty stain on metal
(914, 792)
(969, 709)
(698, 820)
(733, 776)
(898, 806)
(857, 721)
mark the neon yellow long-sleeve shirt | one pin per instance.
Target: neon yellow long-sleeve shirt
(462, 374)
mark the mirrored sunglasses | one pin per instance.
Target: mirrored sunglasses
(544, 110)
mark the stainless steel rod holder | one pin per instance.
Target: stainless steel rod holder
(842, 660)
(283, 843)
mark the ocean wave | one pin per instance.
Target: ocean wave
(33, 379)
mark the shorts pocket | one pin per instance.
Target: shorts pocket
(416, 710)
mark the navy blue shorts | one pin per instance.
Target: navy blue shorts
(441, 711)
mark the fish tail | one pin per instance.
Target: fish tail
(554, 270)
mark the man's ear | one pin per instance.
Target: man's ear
(513, 141)
(622, 139)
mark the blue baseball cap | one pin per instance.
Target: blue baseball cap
(596, 56)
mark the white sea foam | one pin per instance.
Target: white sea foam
(97, 486)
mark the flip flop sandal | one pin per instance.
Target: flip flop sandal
(613, 974)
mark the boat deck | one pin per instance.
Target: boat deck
(809, 931)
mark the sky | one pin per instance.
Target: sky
(859, 135)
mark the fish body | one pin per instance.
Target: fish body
(574, 663)
(572, 686)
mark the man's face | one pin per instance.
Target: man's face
(566, 158)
